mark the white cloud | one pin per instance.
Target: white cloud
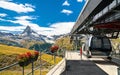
(57, 28)
(68, 12)
(66, 3)
(6, 0)
(53, 29)
(62, 28)
(24, 21)
(79, 0)
(3, 15)
(12, 28)
(25, 18)
(19, 8)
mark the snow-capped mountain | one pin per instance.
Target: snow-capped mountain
(30, 34)
(6, 34)
(48, 39)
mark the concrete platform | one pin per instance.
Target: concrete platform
(88, 66)
(82, 67)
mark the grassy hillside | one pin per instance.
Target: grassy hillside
(10, 50)
(8, 55)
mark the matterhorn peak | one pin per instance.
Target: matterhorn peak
(29, 32)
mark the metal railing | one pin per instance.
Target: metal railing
(26, 71)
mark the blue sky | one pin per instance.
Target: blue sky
(48, 17)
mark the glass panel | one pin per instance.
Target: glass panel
(96, 43)
(106, 43)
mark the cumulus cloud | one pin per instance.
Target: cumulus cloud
(12, 28)
(62, 27)
(66, 3)
(24, 21)
(19, 8)
(25, 18)
(79, 0)
(65, 11)
(57, 28)
(3, 15)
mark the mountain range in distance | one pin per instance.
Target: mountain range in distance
(27, 34)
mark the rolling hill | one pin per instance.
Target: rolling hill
(10, 50)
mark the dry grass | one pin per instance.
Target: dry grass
(48, 58)
(37, 72)
(10, 50)
(8, 55)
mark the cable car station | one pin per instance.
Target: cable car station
(97, 24)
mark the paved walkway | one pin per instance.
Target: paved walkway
(92, 66)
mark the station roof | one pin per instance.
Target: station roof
(92, 9)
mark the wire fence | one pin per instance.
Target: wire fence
(39, 67)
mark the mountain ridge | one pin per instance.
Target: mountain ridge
(28, 34)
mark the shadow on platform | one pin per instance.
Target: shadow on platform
(105, 62)
(82, 67)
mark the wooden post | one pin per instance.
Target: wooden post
(23, 70)
(32, 68)
(54, 58)
(40, 64)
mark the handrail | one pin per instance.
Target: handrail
(38, 67)
(33, 68)
(8, 66)
(40, 64)
(58, 69)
